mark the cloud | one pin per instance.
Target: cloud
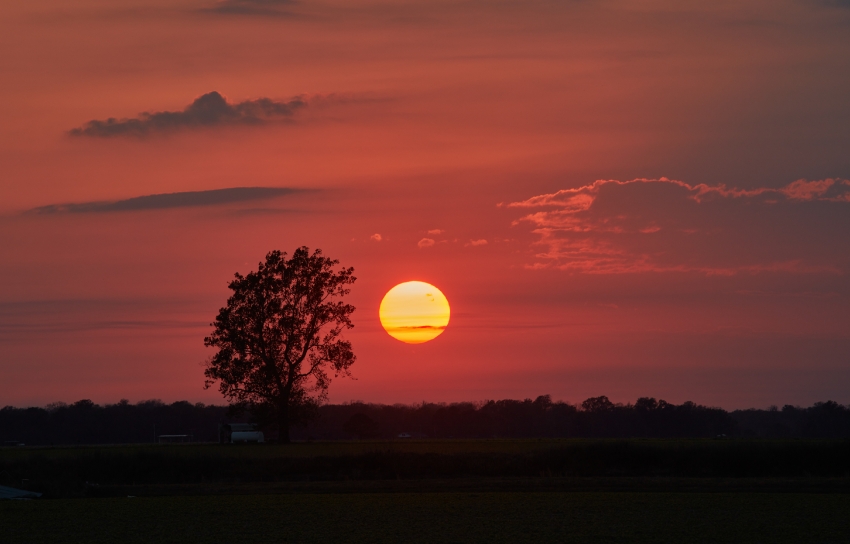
(425, 242)
(209, 110)
(275, 8)
(581, 198)
(481, 242)
(169, 200)
(376, 237)
(35, 318)
(663, 225)
(436, 231)
(835, 3)
(808, 190)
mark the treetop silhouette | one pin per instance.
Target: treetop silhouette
(280, 336)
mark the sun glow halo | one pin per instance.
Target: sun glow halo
(414, 312)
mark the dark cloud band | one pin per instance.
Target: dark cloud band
(274, 8)
(170, 200)
(209, 110)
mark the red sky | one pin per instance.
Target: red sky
(624, 198)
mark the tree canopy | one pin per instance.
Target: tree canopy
(279, 337)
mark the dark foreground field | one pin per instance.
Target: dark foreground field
(434, 491)
(435, 517)
(431, 465)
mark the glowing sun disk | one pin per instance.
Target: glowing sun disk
(414, 312)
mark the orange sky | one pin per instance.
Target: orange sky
(613, 191)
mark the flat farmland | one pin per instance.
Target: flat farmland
(433, 491)
(430, 465)
(332, 448)
(435, 517)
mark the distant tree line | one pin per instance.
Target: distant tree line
(84, 422)
(596, 417)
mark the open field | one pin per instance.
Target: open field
(435, 517)
(431, 465)
(332, 448)
(433, 491)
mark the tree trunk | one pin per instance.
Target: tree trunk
(283, 423)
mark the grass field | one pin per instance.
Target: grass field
(304, 449)
(339, 448)
(435, 517)
(99, 471)
(434, 491)
(444, 447)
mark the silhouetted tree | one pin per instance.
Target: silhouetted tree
(597, 404)
(646, 404)
(280, 335)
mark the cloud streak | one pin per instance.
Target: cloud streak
(207, 111)
(275, 8)
(187, 199)
(663, 225)
(581, 198)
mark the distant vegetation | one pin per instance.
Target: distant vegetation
(84, 422)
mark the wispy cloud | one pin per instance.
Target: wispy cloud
(481, 242)
(37, 318)
(425, 242)
(663, 225)
(209, 110)
(274, 8)
(170, 200)
(581, 198)
(835, 3)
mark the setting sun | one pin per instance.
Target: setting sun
(414, 312)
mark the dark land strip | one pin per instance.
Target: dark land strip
(435, 518)
(432, 465)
